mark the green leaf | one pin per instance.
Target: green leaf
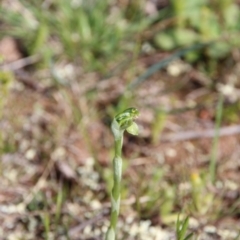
(165, 40)
(231, 15)
(219, 50)
(133, 129)
(188, 236)
(184, 228)
(184, 36)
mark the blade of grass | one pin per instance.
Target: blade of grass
(46, 223)
(213, 157)
(181, 229)
(163, 63)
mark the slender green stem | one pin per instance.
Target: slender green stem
(116, 191)
(213, 159)
(117, 168)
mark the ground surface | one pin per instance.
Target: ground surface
(55, 170)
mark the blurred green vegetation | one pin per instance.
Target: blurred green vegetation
(97, 34)
(202, 21)
(6, 78)
(90, 32)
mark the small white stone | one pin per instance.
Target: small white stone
(170, 152)
(225, 89)
(227, 234)
(58, 153)
(210, 229)
(178, 67)
(30, 154)
(87, 230)
(96, 205)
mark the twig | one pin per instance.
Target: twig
(75, 230)
(28, 81)
(38, 185)
(21, 63)
(207, 133)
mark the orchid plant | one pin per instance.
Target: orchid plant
(121, 122)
